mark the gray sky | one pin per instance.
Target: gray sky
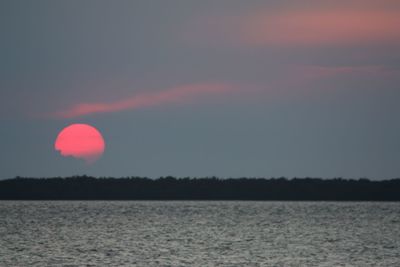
(202, 88)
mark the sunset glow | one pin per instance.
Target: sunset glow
(303, 88)
(316, 26)
(174, 95)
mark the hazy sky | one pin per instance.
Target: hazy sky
(200, 88)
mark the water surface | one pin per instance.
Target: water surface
(199, 233)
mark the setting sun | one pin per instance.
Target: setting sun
(80, 141)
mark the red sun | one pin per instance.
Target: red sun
(80, 141)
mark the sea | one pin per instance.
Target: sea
(199, 233)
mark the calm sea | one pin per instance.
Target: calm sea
(199, 233)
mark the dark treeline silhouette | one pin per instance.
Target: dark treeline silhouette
(170, 188)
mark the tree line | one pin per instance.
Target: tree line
(213, 188)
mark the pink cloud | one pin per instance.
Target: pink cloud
(320, 72)
(145, 99)
(300, 80)
(316, 26)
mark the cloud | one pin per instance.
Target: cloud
(315, 26)
(320, 72)
(145, 99)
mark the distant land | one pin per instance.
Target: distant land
(171, 188)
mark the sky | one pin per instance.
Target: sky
(223, 88)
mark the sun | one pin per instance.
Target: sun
(81, 141)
